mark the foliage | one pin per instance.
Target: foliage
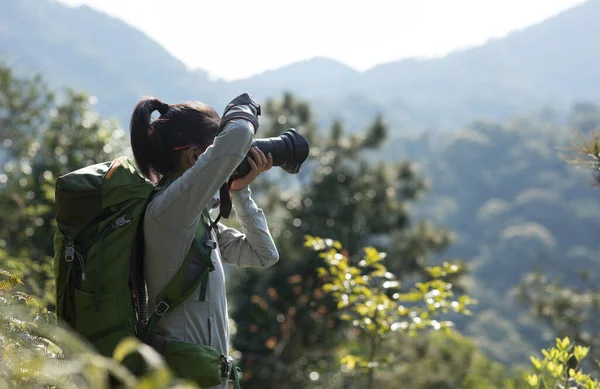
(287, 325)
(444, 360)
(368, 296)
(561, 368)
(43, 136)
(516, 208)
(36, 353)
(571, 311)
(570, 303)
(587, 152)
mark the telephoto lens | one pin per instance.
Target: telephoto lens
(289, 151)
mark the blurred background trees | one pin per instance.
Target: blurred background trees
(287, 327)
(495, 195)
(43, 136)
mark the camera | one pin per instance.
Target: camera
(289, 151)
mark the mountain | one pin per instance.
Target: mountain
(91, 51)
(549, 64)
(306, 77)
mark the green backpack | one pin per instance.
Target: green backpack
(98, 267)
(98, 252)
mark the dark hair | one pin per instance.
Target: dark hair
(154, 143)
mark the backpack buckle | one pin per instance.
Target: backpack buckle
(120, 221)
(161, 308)
(69, 253)
(211, 244)
(226, 366)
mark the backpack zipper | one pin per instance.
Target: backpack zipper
(118, 222)
(71, 253)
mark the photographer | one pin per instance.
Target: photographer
(189, 153)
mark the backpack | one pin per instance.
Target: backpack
(98, 252)
(99, 267)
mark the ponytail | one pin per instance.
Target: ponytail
(145, 141)
(155, 143)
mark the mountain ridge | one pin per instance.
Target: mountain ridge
(92, 51)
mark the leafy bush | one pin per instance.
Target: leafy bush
(561, 368)
(371, 299)
(35, 352)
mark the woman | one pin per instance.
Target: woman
(193, 152)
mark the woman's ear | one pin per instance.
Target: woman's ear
(189, 157)
(196, 152)
(193, 154)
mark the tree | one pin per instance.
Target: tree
(570, 304)
(445, 360)
(516, 208)
(287, 328)
(42, 138)
(368, 297)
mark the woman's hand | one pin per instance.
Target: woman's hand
(260, 163)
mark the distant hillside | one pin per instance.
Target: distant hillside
(315, 77)
(89, 50)
(553, 63)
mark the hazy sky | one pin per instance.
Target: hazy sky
(238, 38)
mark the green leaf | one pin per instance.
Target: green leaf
(321, 271)
(580, 352)
(536, 363)
(9, 283)
(563, 344)
(372, 256)
(362, 309)
(329, 287)
(349, 361)
(409, 297)
(125, 347)
(436, 272)
(532, 380)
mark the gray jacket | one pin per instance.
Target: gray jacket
(170, 223)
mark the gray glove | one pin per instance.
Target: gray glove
(231, 113)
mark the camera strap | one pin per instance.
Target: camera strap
(225, 202)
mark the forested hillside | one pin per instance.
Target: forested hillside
(516, 207)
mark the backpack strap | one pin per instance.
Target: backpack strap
(137, 280)
(193, 272)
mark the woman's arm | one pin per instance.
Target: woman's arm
(254, 247)
(181, 202)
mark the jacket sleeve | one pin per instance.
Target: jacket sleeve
(180, 204)
(254, 247)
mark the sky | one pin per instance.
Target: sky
(233, 39)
